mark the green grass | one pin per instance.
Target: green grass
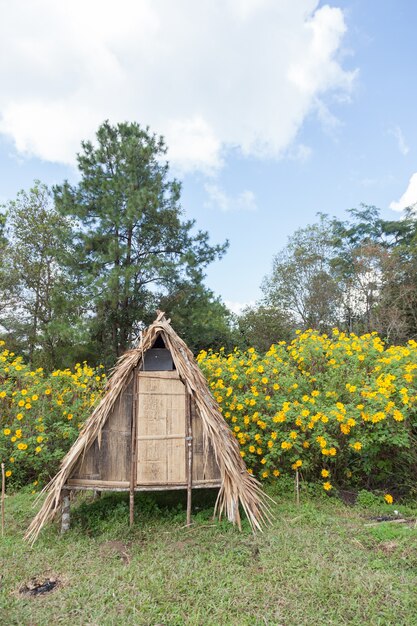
(319, 564)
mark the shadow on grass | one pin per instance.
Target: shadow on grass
(111, 510)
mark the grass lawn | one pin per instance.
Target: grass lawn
(320, 563)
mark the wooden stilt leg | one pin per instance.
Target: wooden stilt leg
(189, 440)
(297, 488)
(66, 514)
(133, 465)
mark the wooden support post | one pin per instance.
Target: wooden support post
(133, 468)
(66, 513)
(297, 487)
(189, 440)
(3, 490)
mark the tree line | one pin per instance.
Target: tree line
(84, 267)
(357, 274)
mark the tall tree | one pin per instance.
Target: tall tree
(39, 304)
(199, 317)
(302, 284)
(260, 326)
(375, 264)
(131, 240)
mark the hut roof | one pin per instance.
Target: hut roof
(237, 485)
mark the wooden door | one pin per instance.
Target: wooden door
(161, 429)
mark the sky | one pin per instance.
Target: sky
(272, 110)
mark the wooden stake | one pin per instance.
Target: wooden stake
(189, 440)
(3, 490)
(133, 465)
(297, 487)
(66, 512)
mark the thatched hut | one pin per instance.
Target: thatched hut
(156, 428)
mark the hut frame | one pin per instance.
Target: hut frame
(220, 448)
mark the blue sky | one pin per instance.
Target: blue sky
(273, 110)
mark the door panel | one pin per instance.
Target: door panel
(161, 427)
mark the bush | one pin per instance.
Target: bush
(341, 408)
(41, 415)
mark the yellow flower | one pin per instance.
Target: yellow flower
(23, 392)
(38, 449)
(2, 394)
(7, 431)
(21, 403)
(293, 434)
(48, 392)
(265, 474)
(275, 472)
(8, 473)
(34, 397)
(327, 486)
(22, 446)
(263, 461)
(388, 498)
(39, 439)
(252, 449)
(356, 446)
(325, 473)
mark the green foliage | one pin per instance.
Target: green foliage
(199, 317)
(261, 326)
(39, 297)
(132, 245)
(358, 274)
(339, 407)
(302, 283)
(41, 415)
(368, 499)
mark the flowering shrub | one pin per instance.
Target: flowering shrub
(341, 408)
(338, 408)
(41, 415)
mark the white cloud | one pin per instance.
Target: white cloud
(244, 201)
(401, 142)
(300, 152)
(209, 75)
(238, 307)
(409, 197)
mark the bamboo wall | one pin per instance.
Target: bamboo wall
(107, 464)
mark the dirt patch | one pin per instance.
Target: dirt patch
(40, 585)
(348, 497)
(388, 547)
(182, 545)
(116, 548)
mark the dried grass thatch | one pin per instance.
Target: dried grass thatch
(237, 485)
